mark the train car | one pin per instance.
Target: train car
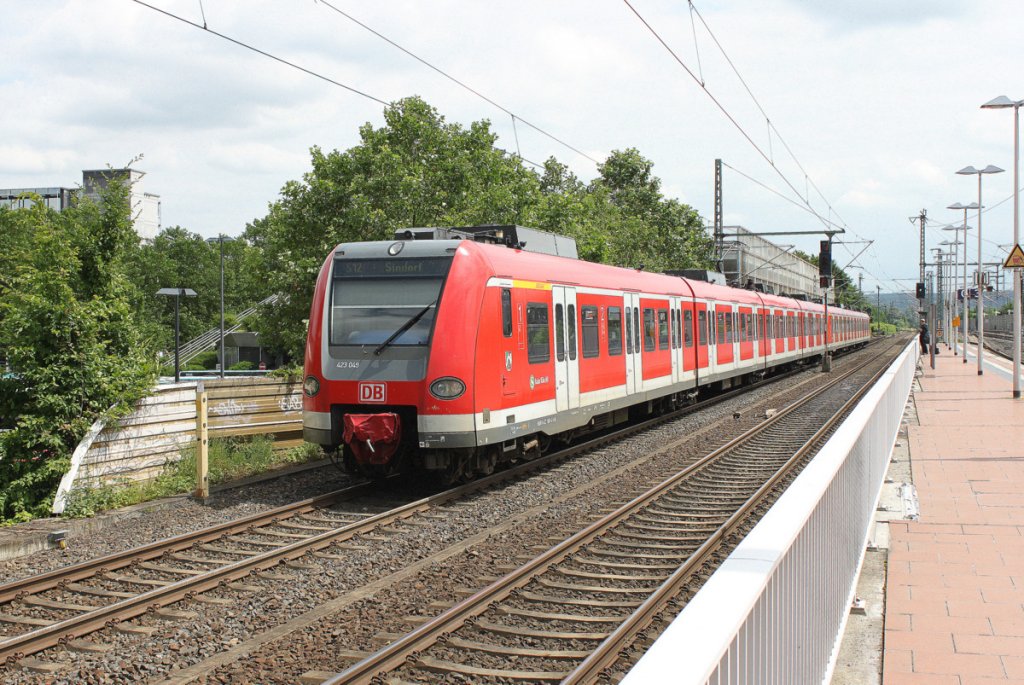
(454, 356)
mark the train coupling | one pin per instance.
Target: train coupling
(373, 438)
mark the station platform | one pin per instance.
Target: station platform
(954, 610)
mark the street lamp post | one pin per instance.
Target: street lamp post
(967, 301)
(971, 171)
(953, 304)
(177, 293)
(221, 238)
(952, 280)
(1003, 102)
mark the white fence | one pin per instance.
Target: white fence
(773, 612)
(142, 444)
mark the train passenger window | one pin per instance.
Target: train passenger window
(675, 329)
(571, 317)
(559, 333)
(588, 331)
(649, 330)
(720, 323)
(615, 331)
(506, 312)
(743, 328)
(662, 329)
(702, 325)
(538, 335)
(636, 329)
(688, 328)
(629, 332)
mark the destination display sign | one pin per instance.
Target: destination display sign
(422, 267)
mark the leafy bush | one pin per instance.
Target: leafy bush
(69, 332)
(242, 366)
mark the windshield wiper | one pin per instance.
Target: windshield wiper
(406, 326)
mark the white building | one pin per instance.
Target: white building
(747, 257)
(145, 207)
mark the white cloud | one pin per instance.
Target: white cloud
(879, 100)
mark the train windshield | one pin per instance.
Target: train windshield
(372, 299)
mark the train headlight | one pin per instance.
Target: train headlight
(311, 386)
(447, 388)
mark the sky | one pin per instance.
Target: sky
(865, 108)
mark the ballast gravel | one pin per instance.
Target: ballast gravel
(183, 642)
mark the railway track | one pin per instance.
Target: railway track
(566, 615)
(64, 606)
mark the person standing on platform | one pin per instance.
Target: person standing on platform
(925, 338)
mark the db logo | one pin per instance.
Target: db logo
(372, 392)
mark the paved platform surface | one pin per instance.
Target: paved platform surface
(955, 580)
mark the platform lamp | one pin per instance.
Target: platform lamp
(953, 303)
(1003, 102)
(971, 171)
(177, 294)
(967, 302)
(221, 238)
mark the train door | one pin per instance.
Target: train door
(631, 313)
(724, 334)
(706, 335)
(567, 365)
(675, 338)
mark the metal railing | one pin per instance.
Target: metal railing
(774, 611)
(199, 344)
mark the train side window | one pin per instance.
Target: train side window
(743, 328)
(538, 333)
(649, 329)
(571, 316)
(588, 331)
(688, 328)
(636, 328)
(629, 332)
(662, 329)
(506, 312)
(559, 332)
(720, 325)
(702, 327)
(615, 331)
(677, 338)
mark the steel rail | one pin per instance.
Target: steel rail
(410, 645)
(607, 653)
(32, 641)
(86, 569)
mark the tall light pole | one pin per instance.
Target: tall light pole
(954, 262)
(971, 171)
(1003, 102)
(967, 302)
(221, 238)
(177, 294)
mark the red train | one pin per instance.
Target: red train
(454, 355)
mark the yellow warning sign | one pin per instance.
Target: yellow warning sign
(1015, 260)
(956, 322)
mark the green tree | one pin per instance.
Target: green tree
(179, 258)
(67, 328)
(416, 170)
(420, 170)
(653, 230)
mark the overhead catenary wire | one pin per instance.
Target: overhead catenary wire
(293, 65)
(760, 107)
(456, 81)
(728, 115)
